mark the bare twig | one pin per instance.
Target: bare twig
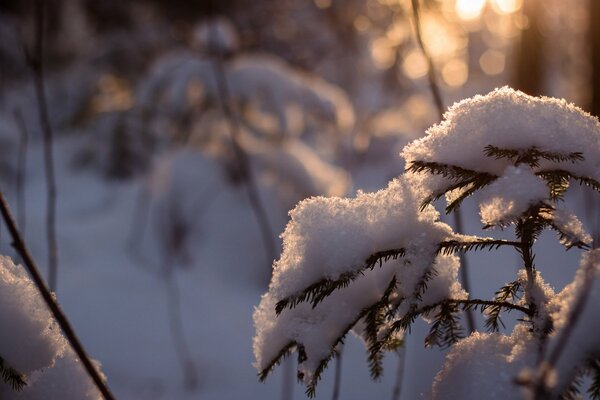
(401, 352)
(337, 380)
(21, 170)
(437, 98)
(242, 159)
(182, 348)
(35, 60)
(58, 314)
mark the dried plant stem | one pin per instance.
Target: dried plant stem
(437, 98)
(61, 319)
(36, 63)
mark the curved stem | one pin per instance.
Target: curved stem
(57, 312)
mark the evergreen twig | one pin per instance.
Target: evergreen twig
(15, 379)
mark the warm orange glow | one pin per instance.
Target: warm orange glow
(455, 73)
(415, 65)
(469, 10)
(492, 62)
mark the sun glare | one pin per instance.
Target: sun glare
(469, 10)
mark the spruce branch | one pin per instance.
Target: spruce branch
(449, 247)
(559, 174)
(404, 324)
(15, 379)
(445, 329)
(594, 369)
(373, 351)
(317, 292)
(509, 291)
(448, 171)
(531, 156)
(61, 318)
(284, 352)
(465, 179)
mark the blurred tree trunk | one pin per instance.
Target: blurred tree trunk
(529, 76)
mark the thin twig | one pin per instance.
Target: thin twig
(401, 352)
(437, 98)
(242, 159)
(36, 63)
(21, 170)
(182, 349)
(61, 318)
(337, 379)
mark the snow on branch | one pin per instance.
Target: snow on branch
(34, 355)
(522, 155)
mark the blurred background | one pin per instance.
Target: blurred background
(183, 133)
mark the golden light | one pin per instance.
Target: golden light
(507, 6)
(492, 62)
(455, 73)
(469, 10)
(398, 33)
(415, 65)
(383, 52)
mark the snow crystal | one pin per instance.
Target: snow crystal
(510, 195)
(509, 119)
(31, 342)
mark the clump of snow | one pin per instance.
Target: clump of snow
(279, 86)
(571, 227)
(583, 341)
(327, 237)
(510, 195)
(296, 164)
(179, 80)
(485, 366)
(32, 342)
(508, 119)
